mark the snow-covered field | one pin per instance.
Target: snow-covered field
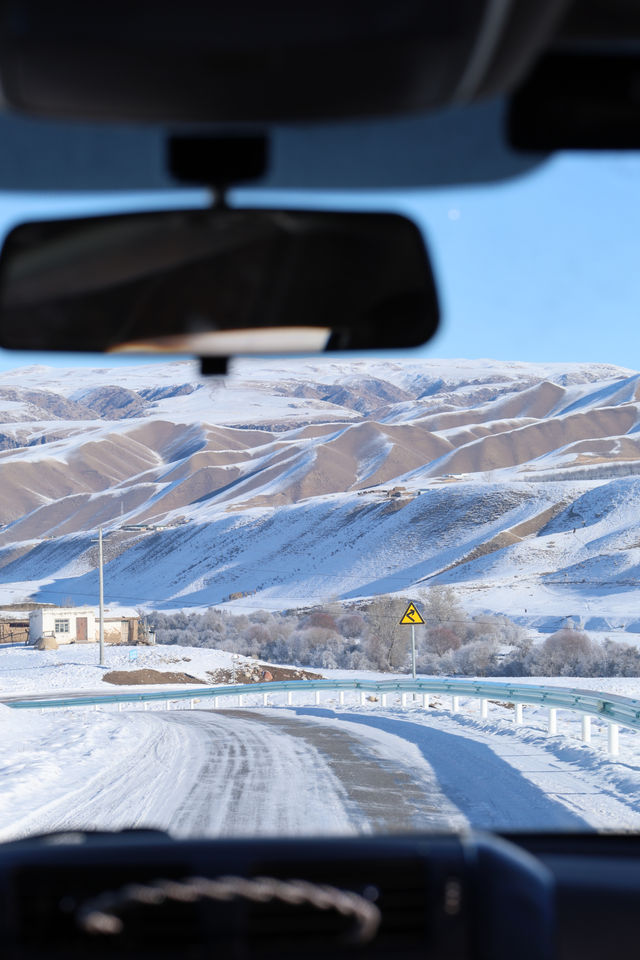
(75, 667)
(332, 769)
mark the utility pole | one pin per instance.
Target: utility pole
(102, 598)
(101, 635)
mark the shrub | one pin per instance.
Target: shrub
(567, 653)
(478, 658)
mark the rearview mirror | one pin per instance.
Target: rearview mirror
(217, 282)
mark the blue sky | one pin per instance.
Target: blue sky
(545, 267)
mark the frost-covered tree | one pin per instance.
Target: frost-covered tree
(388, 642)
(477, 658)
(351, 625)
(567, 653)
(440, 608)
(620, 659)
(501, 630)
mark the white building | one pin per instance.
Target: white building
(66, 624)
(81, 625)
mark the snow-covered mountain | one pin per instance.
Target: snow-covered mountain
(291, 482)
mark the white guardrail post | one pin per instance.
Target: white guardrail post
(614, 740)
(553, 721)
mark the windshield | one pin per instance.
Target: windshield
(383, 594)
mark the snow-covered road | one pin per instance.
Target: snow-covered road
(506, 780)
(200, 773)
(207, 774)
(290, 772)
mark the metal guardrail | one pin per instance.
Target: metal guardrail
(617, 711)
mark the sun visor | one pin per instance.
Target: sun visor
(239, 61)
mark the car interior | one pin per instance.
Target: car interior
(334, 96)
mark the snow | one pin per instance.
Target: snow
(283, 519)
(507, 778)
(152, 771)
(75, 667)
(291, 556)
(261, 770)
(458, 373)
(259, 529)
(46, 761)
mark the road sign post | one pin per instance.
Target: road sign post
(413, 651)
(411, 616)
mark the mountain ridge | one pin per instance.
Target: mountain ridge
(313, 460)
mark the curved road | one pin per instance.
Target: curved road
(223, 773)
(305, 771)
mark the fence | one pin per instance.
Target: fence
(616, 711)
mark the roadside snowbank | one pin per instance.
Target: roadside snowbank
(45, 760)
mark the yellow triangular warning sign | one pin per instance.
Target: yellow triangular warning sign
(411, 615)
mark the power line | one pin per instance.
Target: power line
(310, 604)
